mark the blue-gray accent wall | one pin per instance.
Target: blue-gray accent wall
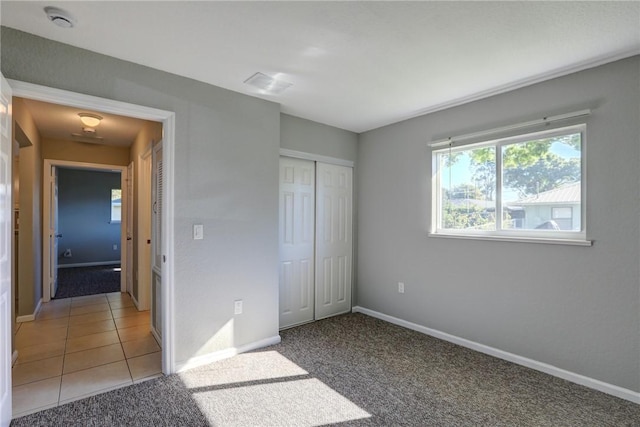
(84, 217)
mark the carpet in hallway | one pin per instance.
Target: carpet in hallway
(80, 281)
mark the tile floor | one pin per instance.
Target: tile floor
(78, 347)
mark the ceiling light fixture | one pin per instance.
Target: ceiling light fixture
(60, 17)
(267, 84)
(90, 120)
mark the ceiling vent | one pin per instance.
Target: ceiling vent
(267, 84)
(89, 136)
(60, 17)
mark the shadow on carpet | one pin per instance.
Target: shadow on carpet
(80, 281)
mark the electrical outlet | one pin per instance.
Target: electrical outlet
(401, 287)
(115, 247)
(198, 231)
(237, 307)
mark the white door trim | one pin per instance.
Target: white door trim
(7, 300)
(316, 157)
(46, 207)
(168, 119)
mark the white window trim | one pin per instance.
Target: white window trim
(576, 238)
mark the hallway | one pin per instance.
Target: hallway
(81, 346)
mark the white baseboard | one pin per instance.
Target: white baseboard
(156, 335)
(611, 389)
(30, 317)
(135, 301)
(225, 354)
(89, 264)
(14, 357)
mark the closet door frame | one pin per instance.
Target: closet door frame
(339, 162)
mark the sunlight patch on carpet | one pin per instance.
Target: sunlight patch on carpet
(299, 403)
(246, 367)
(266, 388)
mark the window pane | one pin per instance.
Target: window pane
(541, 184)
(116, 205)
(467, 189)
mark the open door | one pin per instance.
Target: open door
(157, 258)
(5, 252)
(129, 229)
(53, 235)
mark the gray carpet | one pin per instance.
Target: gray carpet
(350, 370)
(80, 281)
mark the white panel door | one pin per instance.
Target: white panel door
(297, 215)
(5, 253)
(144, 231)
(129, 229)
(54, 235)
(334, 239)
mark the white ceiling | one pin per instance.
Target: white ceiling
(354, 65)
(60, 122)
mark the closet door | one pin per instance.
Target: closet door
(334, 240)
(297, 216)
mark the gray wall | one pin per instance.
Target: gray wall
(226, 177)
(573, 307)
(84, 216)
(316, 138)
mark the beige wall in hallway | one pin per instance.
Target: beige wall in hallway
(59, 149)
(150, 134)
(30, 204)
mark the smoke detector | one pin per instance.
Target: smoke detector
(60, 17)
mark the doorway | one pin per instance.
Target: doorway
(116, 304)
(83, 229)
(167, 119)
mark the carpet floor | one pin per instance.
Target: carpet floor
(80, 281)
(349, 370)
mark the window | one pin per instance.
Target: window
(522, 187)
(116, 205)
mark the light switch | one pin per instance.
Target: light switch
(198, 232)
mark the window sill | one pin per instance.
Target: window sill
(543, 240)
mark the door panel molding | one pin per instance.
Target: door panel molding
(334, 239)
(316, 240)
(296, 242)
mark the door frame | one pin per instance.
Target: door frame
(286, 152)
(46, 208)
(168, 120)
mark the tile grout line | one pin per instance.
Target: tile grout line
(126, 360)
(67, 319)
(64, 354)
